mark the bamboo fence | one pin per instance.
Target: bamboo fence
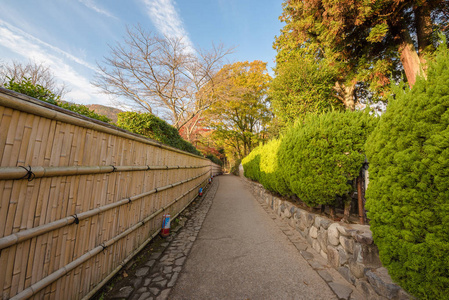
(79, 197)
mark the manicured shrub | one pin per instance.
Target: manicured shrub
(157, 129)
(270, 176)
(251, 164)
(320, 157)
(408, 192)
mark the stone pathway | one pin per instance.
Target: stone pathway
(338, 284)
(154, 279)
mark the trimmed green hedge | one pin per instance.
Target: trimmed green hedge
(408, 193)
(270, 176)
(262, 165)
(251, 164)
(157, 129)
(320, 158)
(316, 160)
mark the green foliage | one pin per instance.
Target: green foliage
(270, 176)
(319, 158)
(316, 160)
(408, 193)
(25, 86)
(251, 164)
(151, 126)
(241, 111)
(303, 84)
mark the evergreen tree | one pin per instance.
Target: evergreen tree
(408, 193)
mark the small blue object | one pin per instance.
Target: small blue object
(166, 222)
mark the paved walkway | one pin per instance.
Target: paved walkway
(234, 247)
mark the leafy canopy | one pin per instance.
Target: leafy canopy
(241, 112)
(303, 84)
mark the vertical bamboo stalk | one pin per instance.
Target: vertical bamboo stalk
(50, 140)
(6, 115)
(4, 256)
(29, 265)
(25, 144)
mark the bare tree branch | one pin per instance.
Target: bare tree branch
(38, 73)
(160, 73)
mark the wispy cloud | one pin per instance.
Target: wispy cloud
(36, 50)
(164, 16)
(31, 39)
(90, 4)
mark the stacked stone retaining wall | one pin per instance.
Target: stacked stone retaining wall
(348, 248)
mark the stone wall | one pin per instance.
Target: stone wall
(348, 248)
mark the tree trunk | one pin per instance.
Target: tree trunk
(349, 97)
(333, 215)
(346, 94)
(347, 209)
(409, 58)
(423, 23)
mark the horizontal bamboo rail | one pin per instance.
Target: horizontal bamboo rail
(24, 235)
(12, 173)
(27, 293)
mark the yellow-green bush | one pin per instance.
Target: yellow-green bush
(408, 193)
(316, 160)
(321, 157)
(270, 176)
(251, 164)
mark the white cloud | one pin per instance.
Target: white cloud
(36, 41)
(36, 50)
(90, 4)
(166, 19)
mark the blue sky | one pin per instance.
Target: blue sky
(71, 36)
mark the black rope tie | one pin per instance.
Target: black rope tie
(29, 175)
(113, 169)
(129, 200)
(156, 190)
(77, 221)
(148, 168)
(104, 247)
